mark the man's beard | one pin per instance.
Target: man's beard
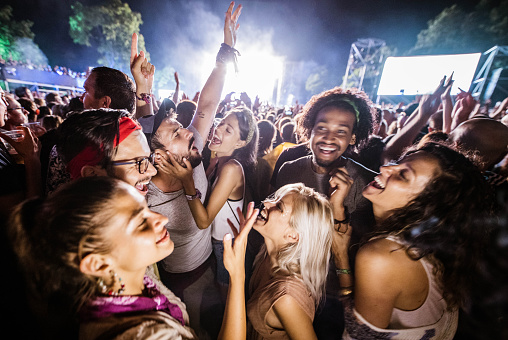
(194, 160)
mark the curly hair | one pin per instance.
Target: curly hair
(339, 98)
(440, 222)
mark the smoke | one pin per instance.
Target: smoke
(188, 37)
(25, 49)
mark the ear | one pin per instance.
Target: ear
(94, 265)
(291, 236)
(105, 102)
(92, 170)
(353, 140)
(240, 144)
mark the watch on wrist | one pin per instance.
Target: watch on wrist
(193, 197)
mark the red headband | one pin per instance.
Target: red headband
(92, 156)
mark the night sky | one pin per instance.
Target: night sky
(318, 31)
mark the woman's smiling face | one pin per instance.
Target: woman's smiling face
(398, 184)
(273, 219)
(226, 136)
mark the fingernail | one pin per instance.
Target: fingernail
(227, 237)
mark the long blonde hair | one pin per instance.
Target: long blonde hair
(312, 219)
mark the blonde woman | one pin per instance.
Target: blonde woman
(290, 271)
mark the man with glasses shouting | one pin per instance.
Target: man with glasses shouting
(106, 142)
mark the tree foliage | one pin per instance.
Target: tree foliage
(455, 30)
(109, 28)
(10, 31)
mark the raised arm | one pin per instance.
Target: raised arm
(210, 94)
(406, 136)
(234, 324)
(177, 89)
(446, 99)
(143, 73)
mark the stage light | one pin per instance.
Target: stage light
(421, 74)
(259, 73)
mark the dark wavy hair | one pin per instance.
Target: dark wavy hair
(333, 97)
(441, 222)
(95, 128)
(51, 237)
(247, 155)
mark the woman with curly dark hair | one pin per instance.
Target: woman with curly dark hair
(417, 270)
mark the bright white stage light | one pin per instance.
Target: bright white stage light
(164, 93)
(259, 73)
(421, 74)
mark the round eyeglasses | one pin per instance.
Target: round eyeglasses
(142, 163)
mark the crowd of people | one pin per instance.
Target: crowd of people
(60, 70)
(217, 218)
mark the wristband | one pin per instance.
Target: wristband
(343, 271)
(193, 197)
(346, 220)
(144, 97)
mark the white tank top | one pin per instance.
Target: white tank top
(429, 312)
(220, 225)
(432, 320)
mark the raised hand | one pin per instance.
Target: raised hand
(230, 24)
(234, 256)
(141, 69)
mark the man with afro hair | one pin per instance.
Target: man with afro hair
(333, 124)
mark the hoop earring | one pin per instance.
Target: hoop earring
(104, 288)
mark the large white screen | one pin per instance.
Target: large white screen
(421, 74)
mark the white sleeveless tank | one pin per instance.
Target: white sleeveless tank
(220, 226)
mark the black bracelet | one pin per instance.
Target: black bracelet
(227, 54)
(346, 220)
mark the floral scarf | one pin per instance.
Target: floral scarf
(153, 300)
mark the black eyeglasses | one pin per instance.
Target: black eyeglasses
(142, 163)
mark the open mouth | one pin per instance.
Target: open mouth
(164, 237)
(142, 187)
(376, 183)
(263, 215)
(327, 148)
(191, 144)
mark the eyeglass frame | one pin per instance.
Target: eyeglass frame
(15, 108)
(138, 162)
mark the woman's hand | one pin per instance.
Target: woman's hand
(230, 24)
(171, 167)
(234, 256)
(340, 185)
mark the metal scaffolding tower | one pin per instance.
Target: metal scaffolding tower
(484, 75)
(364, 65)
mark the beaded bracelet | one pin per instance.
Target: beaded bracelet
(343, 271)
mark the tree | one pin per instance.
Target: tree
(456, 31)
(11, 30)
(109, 27)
